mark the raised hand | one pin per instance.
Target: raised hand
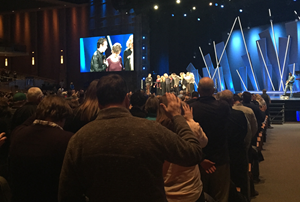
(188, 111)
(174, 105)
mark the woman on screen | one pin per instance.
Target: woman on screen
(128, 55)
(115, 60)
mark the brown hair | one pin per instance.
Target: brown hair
(53, 107)
(152, 104)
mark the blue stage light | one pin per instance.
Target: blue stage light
(241, 10)
(222, 6)
(144, 78)
(143, 57)
(216, 4)
(173, 15)
(144, 37)
(198, 19)
(144, 68)
(184, 15)
(143, 48)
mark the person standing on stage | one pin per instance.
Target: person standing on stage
(176, 80)
(183, 81)
(115, 60)
(157, 85)
(128, 55)
(149, 83)
(168, 83)
(163, 85)
(98, 62)
(290, 83)
(191, 82)
(187, 77)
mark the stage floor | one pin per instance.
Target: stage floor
(277, 95)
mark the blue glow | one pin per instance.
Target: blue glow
(173, 15)
(222, 6)
(144, 68)
(143, 57)
(198, 19)
(298, 115)
(184, 15)
(144, 78)
(241, 10)
(144, 37)
(143, 48)
(103, 13)
(216, 4)
(82, 57)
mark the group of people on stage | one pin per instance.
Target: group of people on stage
(171, 83)
(99, 62)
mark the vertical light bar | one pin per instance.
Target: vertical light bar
(275, 46)
(241, 80)
(6, 62)
(62, 59)
(247, 52)
(286, 50)
(225, 46)
(109, 42)
(204, 62)
(265, 65)
(32, 61)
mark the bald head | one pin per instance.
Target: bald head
(227, 96)
(206, 86)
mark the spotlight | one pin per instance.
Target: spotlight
(222, 6)
(156, 7)
(194, 8)
(143, 57)
(216, 4)
(178, 1)
(144, 68)
(184, 15)
(241, 10)
(248, 27)
(198, 19)
(210, 4)
(173, 15)
(144, 37)
(143, 48)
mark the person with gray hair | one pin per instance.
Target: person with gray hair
(237, 131)
(34, 97)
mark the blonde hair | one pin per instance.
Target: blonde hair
(129, 41)
(116, 48)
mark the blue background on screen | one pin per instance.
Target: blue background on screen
(88, 46)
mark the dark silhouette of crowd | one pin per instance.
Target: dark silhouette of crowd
(108, 144)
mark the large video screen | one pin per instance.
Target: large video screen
(107, 53)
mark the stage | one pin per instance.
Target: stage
(283, 108)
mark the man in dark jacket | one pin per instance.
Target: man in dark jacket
(212, 115)
(98, 62)
(119, 157)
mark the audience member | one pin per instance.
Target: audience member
(151, 107)
(195, 96)
(236, 131)
(120, 157)
(34, 96)
(212, 115)
(86, 112)
(182, 183)
(268, 101)
(37, 151)
(138, 101)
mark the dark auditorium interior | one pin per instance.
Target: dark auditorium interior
(245, 46)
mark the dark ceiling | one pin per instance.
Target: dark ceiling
(17, 5)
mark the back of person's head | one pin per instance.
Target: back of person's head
(247, 97)
(34, 94)
(100, 42)
(162, 117)
(152, 105)
(264, 91)
(181, 92)
(19, 97)
(138, 99)
(206, 86)
(195, 94)
(111, 89)
(227, 96)
(236, 98)
(89, 109)
(54, 108)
